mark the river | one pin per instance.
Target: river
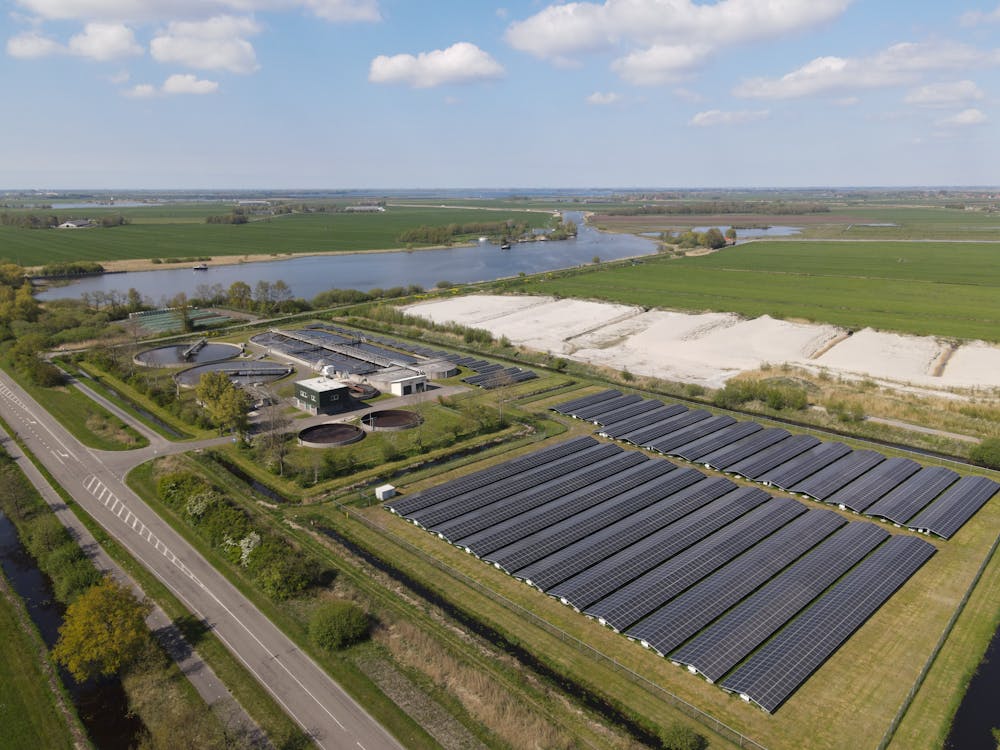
(307, 276)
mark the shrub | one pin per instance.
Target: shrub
(337, 624)
(987, 453)
(680, 737)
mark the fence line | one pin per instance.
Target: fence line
(686, 708)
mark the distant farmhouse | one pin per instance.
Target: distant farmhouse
(76, 224)
(365, 209)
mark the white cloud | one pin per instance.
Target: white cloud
(214, 44)
(897, 65)
(188, 84)
(603, 98)
(964, 118)
(122, 76)
(662, 39)
(944, 94)
(976, 17)
(30, 45)
(105, 41)
(714, 117)
(166, 10)
(179, 83)
(141, 91)
(462, 62)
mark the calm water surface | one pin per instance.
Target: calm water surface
(308, 276)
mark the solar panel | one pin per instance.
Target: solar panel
(906, 500)
(772, 674)
(773, 456)
(627, 412)
(794, 471)
(458, 528)
(468, 501)
(567, 407)
(703, 446)
(609, 574)
(741, 449)
(727, 642)
(685, 504)
(611, 404)
(543, 543)
(665, 427)
(652, 589)
(958, 504)
(569, 505)
(844, 470)
(865, 490)
(617, 429)
(670, 626)
(406, 505)
(700, 429)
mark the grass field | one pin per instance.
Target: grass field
(181, 232)
(28, 712)
(924, 288)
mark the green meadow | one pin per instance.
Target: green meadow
(181, 232)
(926, 288)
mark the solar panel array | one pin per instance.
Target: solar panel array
(701, 570)
(489, 375)
(864, 481)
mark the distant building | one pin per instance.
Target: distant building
(321, 395)
(76, 224)
(365, 209)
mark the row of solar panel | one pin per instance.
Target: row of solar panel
(674, 558)
(931, 499)
(500, 377)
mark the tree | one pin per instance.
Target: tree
(679, 737)
(731, 234)
(713, 238)
(240, 295)
(104, 631)
(337, 624)
(262, 296)
(226, 404)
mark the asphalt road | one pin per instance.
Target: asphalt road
(331, 717)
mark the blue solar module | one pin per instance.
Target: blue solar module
(686, 504)
(543, 543)
(589, 412)
(627, 412)
(773, 456)
(670, 626)
(617, 429)
(703, 446)
(667, 426)
(958, 504)
(831, 478)
(748, 446)
(772, 674)
(909, 498)
(794, 471)
(406, 505)
(865, 490)
(615, 571)
(468, 501)
(657, 586)
(700, 429)
(569, 505)
(727, 642)
(567, 407)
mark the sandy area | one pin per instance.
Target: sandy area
(710, 348)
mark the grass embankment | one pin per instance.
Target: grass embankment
(172, 233)
(926, 288)
(28, 702)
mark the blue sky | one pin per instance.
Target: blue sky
(406, 94)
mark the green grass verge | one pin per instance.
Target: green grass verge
(28, 712)
(925, 288)
(347, 675)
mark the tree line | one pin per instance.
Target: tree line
(444, 235)
(721, 207)
(47, 221)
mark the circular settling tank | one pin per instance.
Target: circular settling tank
(362, 391)
(180, 355)
(331, 433)
(242, 373)
(391, 419)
